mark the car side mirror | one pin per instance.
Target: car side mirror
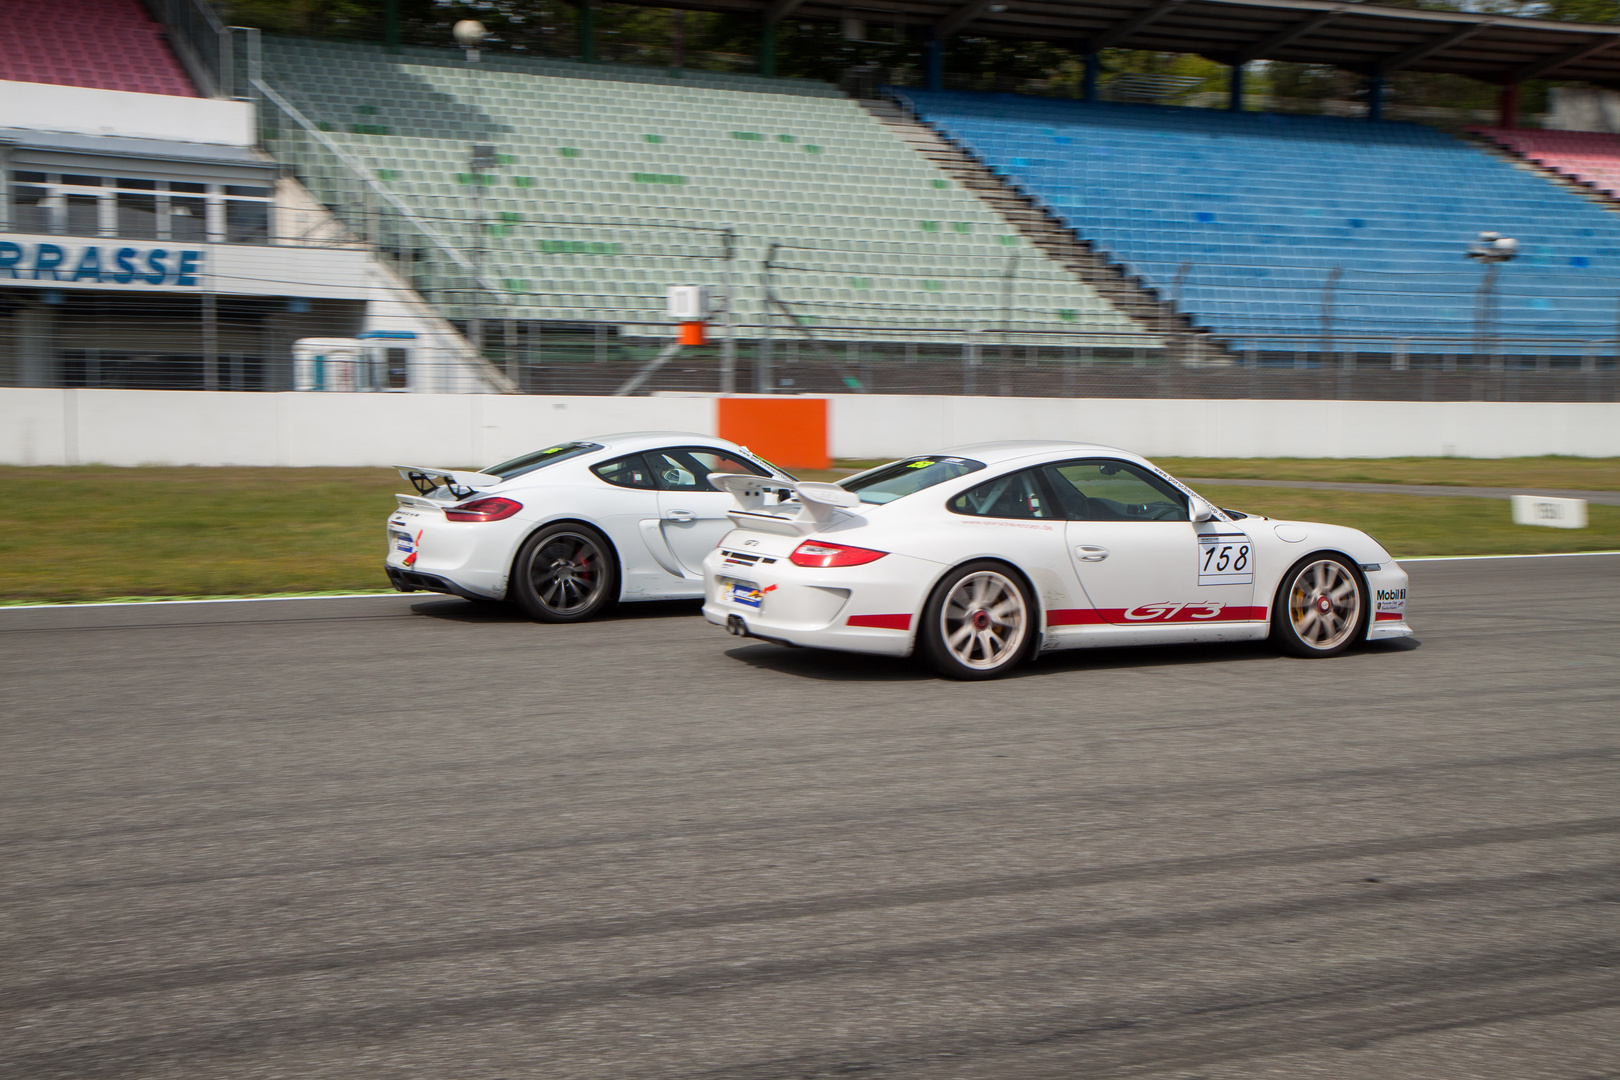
(1199, 510)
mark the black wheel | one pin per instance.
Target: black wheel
(979, 623)
(1321, 607)
(565, 573)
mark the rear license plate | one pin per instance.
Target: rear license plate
(403, 542)
(744, 595)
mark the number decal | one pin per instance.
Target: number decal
(1224, 559)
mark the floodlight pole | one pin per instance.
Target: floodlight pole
(469, 33)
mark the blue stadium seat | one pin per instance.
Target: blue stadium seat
(1247, 214)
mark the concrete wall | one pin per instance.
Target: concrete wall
(157, 427)
(79, 110)
(141, 427)
(880, 426)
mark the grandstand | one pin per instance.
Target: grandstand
(610, 184)
(93, 44)
(1268, 228)
(146, 242)
(1588, 157)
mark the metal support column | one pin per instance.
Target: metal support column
(1088, 76)
(210, 342)
(767, 50)
(1234, 102)
(935, 56)
(391, 25)
(1507, 107)
(587, 31)
(1375, 96)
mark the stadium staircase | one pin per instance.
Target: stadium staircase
(1586, 162)
(1275, 231)
(1037, 224)
(99, 44)
(609, 184)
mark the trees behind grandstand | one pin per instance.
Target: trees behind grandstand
(729, 42)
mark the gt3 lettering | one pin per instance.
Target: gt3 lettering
(1168, 612)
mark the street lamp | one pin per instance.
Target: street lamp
(470, 34)
(1491, 249)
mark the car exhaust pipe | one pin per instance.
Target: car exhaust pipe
(736, 626)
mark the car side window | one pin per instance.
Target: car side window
(1109, 490)
(687, 468)
(630, 472)
(1019, 495)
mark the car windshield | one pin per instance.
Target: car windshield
(506, 470)
(887, 483)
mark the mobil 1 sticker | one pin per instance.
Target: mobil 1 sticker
(1225, 559)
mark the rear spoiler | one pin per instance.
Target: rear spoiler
(816, 502)
(460, 484)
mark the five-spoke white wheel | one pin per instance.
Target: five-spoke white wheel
(978, 623)
(1321, 608)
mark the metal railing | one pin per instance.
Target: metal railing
(202, 41)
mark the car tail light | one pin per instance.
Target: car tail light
(491, 509)
(816, 553)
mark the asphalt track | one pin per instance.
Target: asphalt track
(410, 837)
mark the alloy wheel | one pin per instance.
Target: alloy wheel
(984, 620)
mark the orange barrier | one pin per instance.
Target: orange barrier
(787, 431)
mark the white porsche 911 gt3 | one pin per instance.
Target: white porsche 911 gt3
(566, 531)
(982, 555)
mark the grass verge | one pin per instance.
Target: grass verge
(95, 533)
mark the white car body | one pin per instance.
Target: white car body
(660, 534)
(1094, 582)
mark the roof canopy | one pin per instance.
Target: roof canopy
(1359, 37)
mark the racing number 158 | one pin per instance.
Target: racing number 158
(1222, 558)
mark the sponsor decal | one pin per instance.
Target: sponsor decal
(1389, 616)
(1007, 524)
(1168, 612)
(748, 596)
(880, 622)
(1391, 600)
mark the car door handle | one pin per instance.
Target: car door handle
(680, 515)
(1091, 553)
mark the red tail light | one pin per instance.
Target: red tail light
(820, 555)
(491, 509)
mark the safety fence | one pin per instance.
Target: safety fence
(69, 339)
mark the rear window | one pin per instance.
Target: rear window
(887, 483)
(506, 470)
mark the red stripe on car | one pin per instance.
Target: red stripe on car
(1389, 616)
(1154, 613)
(880, 622)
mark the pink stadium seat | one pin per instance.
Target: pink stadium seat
(101, 44)
(1592, 157)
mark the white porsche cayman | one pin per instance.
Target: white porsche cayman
(566, 531)
(982, 555)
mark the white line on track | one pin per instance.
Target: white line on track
(213, 600)
(1471, 558)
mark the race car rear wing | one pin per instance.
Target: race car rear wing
(459, 483)
(813, 504)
